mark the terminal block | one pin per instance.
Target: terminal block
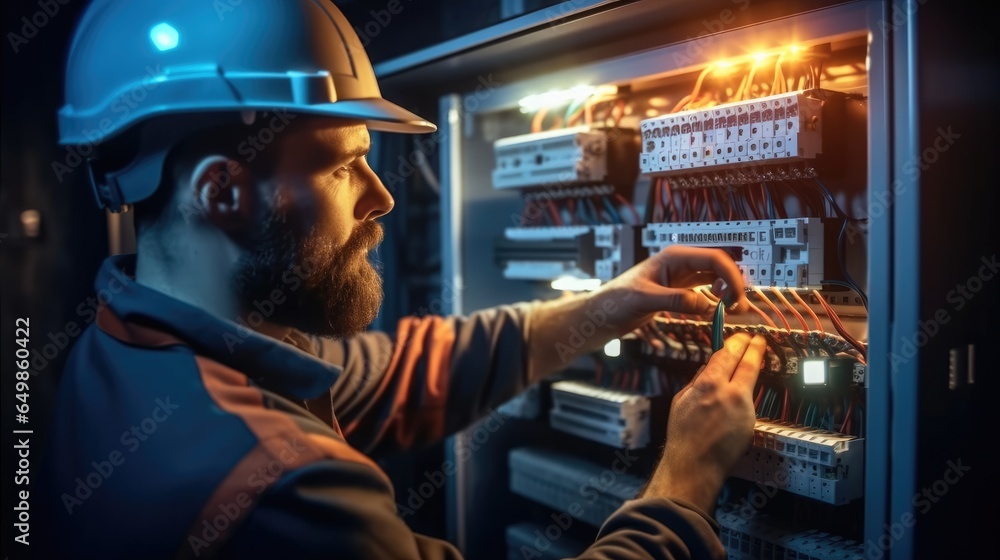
(570, 484)
(818, 464)
(609, 416)
(775, 129)
(749, 535)
(787, 253)
(579, 155)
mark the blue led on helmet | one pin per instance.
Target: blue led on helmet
(164, 36)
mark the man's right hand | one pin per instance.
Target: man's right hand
(710, 426)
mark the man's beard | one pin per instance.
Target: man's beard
(323, 290)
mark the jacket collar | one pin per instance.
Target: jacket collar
(142, 316)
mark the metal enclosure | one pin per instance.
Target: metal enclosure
(481, 83)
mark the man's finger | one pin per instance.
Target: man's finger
(720, 368)
(675, 300)
(688, 260)
(748, 370)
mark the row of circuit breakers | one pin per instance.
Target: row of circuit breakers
(784, 253)
(766, 139)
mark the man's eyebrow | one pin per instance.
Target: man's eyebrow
(360, 150)
(328, 155)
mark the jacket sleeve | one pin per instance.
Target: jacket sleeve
(657, 529)
(431, 378)
(337, 509)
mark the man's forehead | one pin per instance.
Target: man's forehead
(339, 136)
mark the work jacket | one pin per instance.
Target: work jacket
(179, 434)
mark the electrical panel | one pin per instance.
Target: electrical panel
(762, 156)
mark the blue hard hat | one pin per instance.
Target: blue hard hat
(133, 60)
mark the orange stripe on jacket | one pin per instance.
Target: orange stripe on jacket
(412, 406)
(282, 446)
(131, 333)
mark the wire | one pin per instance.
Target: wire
(802, 321)
(554, 212)
(758, 310)
(847, 418)
(705, 291)
(833, 202)
(612, 211)
(670, 197)
(536, 122)
(630, 206)
(687, 99)
(837, 324)
(842, 258)
(776, 311)
(819, 324)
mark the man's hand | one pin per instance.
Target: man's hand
(711, 425)
(661, 282)
(563, 329)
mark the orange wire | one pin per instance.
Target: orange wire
(802, 321)
(819, 324)
(762, 314)
(536, 123)
(707, 293)
(776, 311)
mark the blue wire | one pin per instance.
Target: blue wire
(593, 211)
(615, 216)
(581, 211)
(833, 201)
(732, 203)
(718, 203)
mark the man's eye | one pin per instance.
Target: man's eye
(343, 172)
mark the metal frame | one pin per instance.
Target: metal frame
(880, 274)
(906, 273)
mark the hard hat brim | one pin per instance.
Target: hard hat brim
(377, 114)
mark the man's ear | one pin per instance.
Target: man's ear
(225, 193)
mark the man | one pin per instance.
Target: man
(224, 403)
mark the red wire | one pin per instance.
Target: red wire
(785, 406)
(840, 327)
(673, 207)
(554, 212)
(760, 397)
(571, 203)
(798, 415)
(847, 418)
